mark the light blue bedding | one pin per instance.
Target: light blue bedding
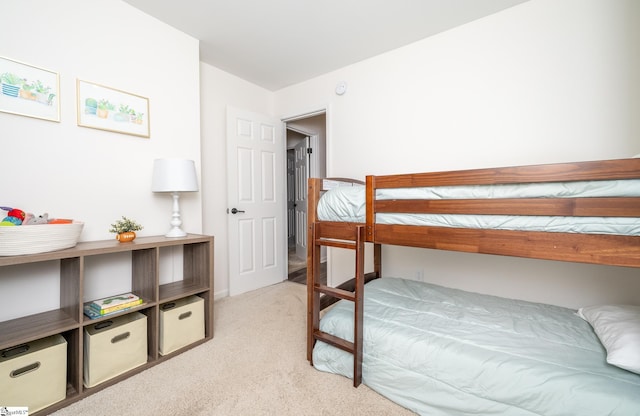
(442, 351)
(348, 204)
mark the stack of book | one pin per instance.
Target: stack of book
(113, 304)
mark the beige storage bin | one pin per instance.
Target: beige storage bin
(181, 323)
(34, 374)
(114, 347)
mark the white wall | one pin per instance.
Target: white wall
(219, 90)
(92, 175)
(542, 82)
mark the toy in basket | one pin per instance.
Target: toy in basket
(23, 233)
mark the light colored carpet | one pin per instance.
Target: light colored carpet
(255, 365)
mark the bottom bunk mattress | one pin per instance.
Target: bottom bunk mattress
(442, 351)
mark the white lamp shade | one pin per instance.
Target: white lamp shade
(174, 175)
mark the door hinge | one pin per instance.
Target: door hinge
(309, 150)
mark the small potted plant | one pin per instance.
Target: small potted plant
(104, 106)
(90, 106)
(123, 113)
(26, 91)
(10, 84)
(43, 93)
(125, 229)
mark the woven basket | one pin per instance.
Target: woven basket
(32, 239)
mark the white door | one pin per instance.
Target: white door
(291, 197)
(302, 174)
(257, 201)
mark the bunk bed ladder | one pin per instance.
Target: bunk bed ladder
(315, 289)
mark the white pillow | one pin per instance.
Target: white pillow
(618, 328)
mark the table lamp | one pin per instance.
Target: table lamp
(175, 176)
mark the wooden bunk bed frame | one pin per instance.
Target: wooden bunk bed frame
(602, 249)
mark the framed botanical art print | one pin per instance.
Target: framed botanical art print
(105, 108)
(28, 90)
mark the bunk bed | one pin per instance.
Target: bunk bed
(438, 350)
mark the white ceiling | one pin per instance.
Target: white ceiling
(277, 43)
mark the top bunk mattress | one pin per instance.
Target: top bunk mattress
(442, 351)
(348, 204)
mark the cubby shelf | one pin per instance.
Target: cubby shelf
(69, 320)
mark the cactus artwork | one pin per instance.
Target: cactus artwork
(28, 90)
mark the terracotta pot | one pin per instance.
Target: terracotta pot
(28, 95)
(126, 237)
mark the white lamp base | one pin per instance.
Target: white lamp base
(176, 232)
(176, 222)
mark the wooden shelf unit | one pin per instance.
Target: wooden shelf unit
(69, 320)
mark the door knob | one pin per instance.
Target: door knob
(235, 210)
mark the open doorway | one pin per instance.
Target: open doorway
(306, 157)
